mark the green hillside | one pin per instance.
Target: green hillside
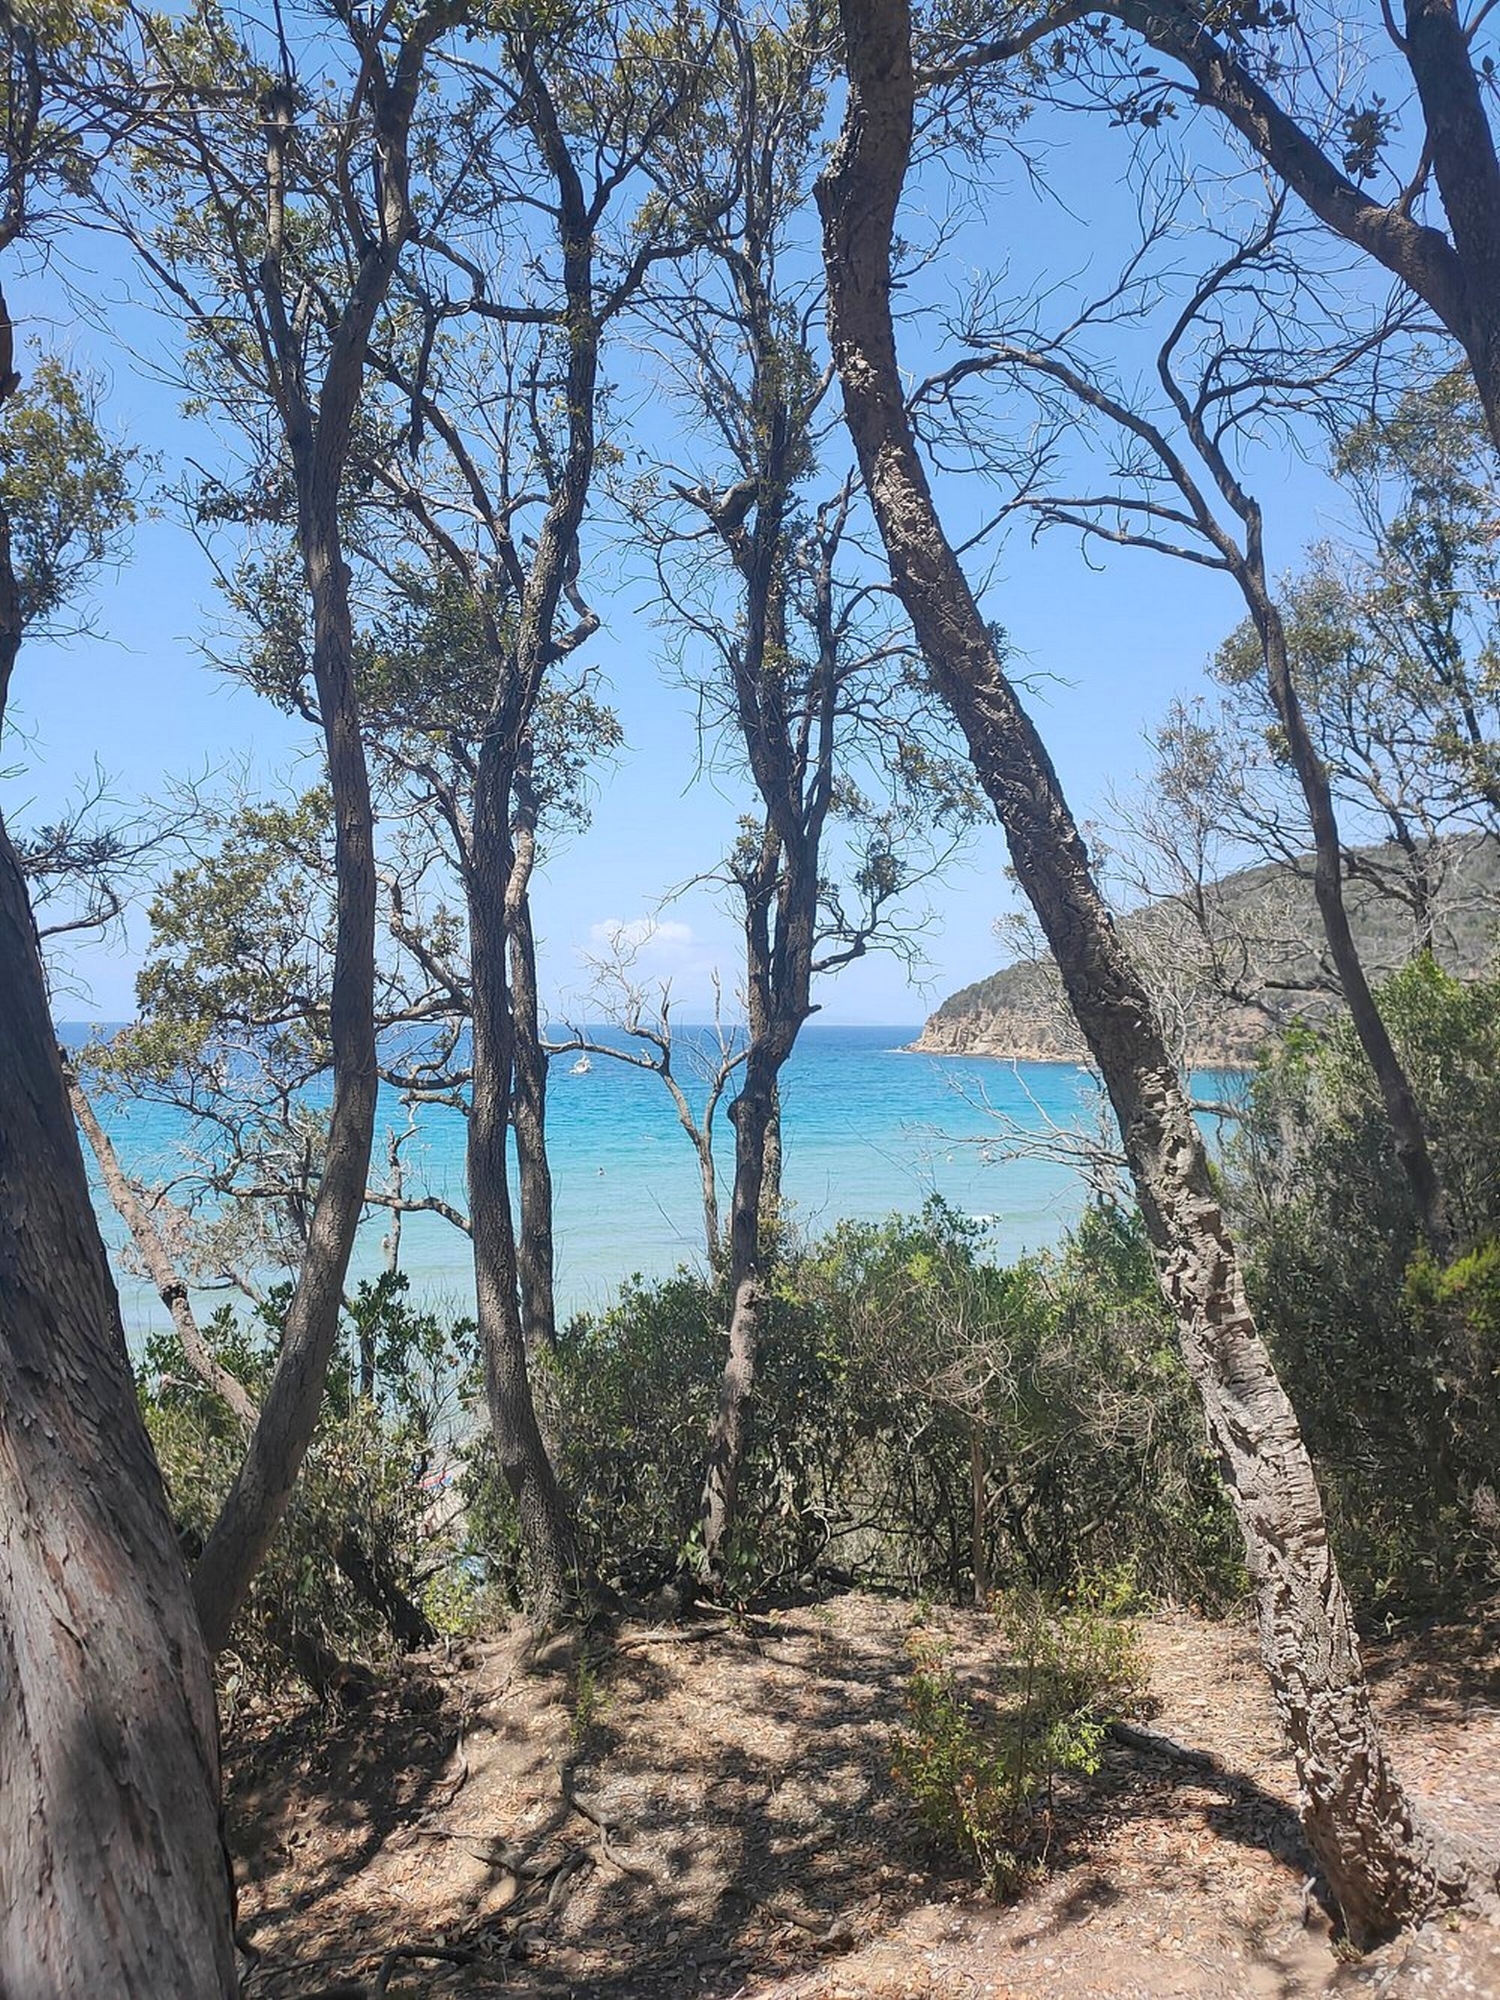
(1243, 955)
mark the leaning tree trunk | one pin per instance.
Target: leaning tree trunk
(546, 1532)
(168, 1280)
(256, 1502)
(113, 1879)
(1382, 1863)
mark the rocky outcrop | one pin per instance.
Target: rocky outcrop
(1244, 961)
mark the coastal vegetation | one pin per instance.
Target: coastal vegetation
(420, 276)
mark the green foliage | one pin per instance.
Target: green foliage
(891, 1352)
(369, 1522)
(983, 1780)
(241, 944)
(65, 490)
(1390, 1361)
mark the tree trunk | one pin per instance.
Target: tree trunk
(1458, 280)
(1462, 148)
(373, 1584)
(113, 1879)
(770, 1199)
(979, 1508)
(317, 428)
(256, 1502)
(535, 1251)
(546, 1532)
(752, 1114)
(708, 1181)
(1384, 1866)
(1402, 1112)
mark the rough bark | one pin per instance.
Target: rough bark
(112, 1876)
(535, 1249)
(1462, 147)
(1384, 1865)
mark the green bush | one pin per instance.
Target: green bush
(368, 1559)
(984, 1781)
(895, 1362)
(1390, 1361)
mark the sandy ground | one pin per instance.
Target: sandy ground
(711, 1813)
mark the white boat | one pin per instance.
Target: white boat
(581, 1067)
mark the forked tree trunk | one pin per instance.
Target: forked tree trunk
(546, 1531)
(113, 1880)
(1382, 1863)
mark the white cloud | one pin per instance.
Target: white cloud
(636, 937)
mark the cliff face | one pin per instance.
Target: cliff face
(1242, 962)
(1014, 1033)
(1046, 1033)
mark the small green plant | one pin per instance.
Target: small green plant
(984, 1783)
(587, 1705)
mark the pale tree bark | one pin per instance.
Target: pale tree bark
(1383, 1863)
(113, 1879)
(318, 423)
(153, 1253)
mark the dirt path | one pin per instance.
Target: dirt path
(713, 1815)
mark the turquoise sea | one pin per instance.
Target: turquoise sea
(869, 1129)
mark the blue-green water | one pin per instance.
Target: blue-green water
(869, 1129)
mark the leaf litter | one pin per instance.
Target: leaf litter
(708, 1811)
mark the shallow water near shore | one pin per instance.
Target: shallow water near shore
(870, 1129)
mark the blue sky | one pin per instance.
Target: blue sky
(1108, 644)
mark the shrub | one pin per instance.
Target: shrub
(896, 1364)
(367, 1560)
(1390, 1361)
(984, 1783)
